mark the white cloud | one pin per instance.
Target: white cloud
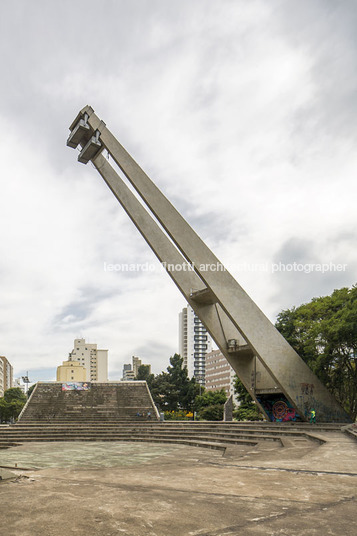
(241, 112)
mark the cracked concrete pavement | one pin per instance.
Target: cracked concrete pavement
(174, 490)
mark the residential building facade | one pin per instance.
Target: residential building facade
(194, 343)
(136, 364)
(18, 383)
(219, 373)
(71, 371)
(2, 390)
(130, 372)
(6, 375)
(95, 361)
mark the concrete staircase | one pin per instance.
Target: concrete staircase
(109, 412)
(217, 435)
(101, 403)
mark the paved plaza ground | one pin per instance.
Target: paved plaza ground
(136, 489)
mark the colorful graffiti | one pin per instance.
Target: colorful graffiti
(278, 408)
(75, 386)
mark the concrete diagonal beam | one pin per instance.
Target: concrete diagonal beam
(300, 386)
(213, 317)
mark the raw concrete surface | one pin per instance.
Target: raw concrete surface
(162, 490)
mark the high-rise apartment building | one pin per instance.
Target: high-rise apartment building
(93, 360)
(219, 373)
(1, 378)
(130, 372)
(194, 343)
(6, 375)
(136, 364)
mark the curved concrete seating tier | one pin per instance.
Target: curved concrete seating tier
(216, 435)
(119, 412)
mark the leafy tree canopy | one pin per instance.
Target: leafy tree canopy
(210, 404)
(173, 390)
(30, 390)
(324, 334)
(145, 374)
(14, 394)
(211, 398)
(247, 409)
(11, 404)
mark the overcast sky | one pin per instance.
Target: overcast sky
(242, 111)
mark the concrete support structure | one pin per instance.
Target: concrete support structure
(278, 379)
(228, 410)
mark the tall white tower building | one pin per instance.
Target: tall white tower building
(194, 343)
(93, 360)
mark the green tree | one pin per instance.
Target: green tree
(190, 394)
(173, 390)
(4, 410)
(324, 333)
(30, 390)
(12, 403)
(144, 374)
(160, 387)
(15, 394)
(210, 404)
(185, 389)
(247, 409)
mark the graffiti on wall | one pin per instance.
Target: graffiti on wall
(307, 388)
(75, 386)
(278, 408)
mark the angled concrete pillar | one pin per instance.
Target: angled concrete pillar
(213, 317)
(279, 380)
